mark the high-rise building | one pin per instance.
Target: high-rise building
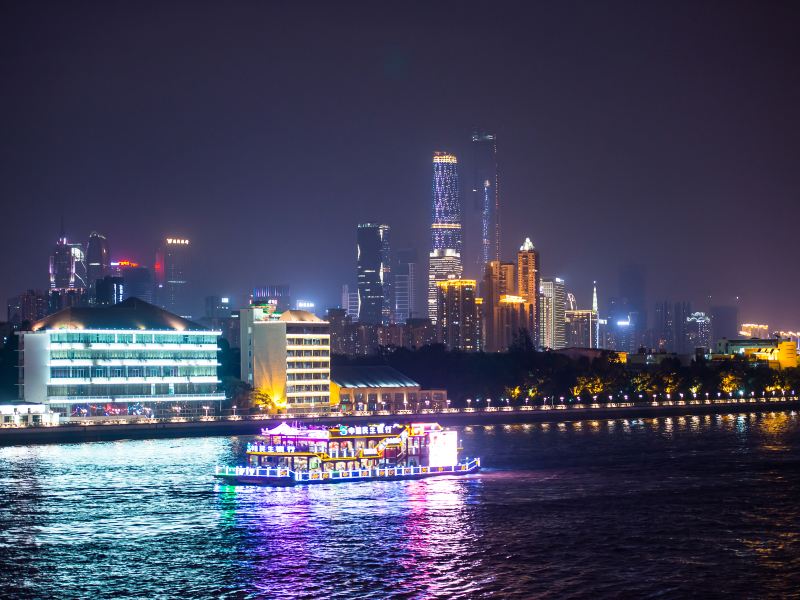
(581, 328)
(598, 340)
(98, 261)
(375, 298)
(632, 292)
(445, 259)
(512, 317)
(109, 290)
(278, 296)
(553, 313)
(137, 280)
(486, 194)
(217, 307)
(669, 326)
(172, 276)
(458, 324)
(698, 331)
(118, 372)
(67, 275)
(528, 268)
(664, 328)
(350, 302)
(287, 357)
(28, 307)
(498, 281)
(404, 274)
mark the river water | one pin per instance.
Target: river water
(669, 507)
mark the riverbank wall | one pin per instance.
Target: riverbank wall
(454, 417)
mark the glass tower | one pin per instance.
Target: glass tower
(375, 298)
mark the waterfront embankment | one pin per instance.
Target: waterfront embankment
(247, 425)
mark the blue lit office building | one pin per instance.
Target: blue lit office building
(127, 359)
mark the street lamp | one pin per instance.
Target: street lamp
(469, 403)
(205, 408)
(234, 410)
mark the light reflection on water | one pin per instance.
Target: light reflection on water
(615, 507)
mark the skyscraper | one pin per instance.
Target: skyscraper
(29, 306)
(98, 261)
(137, 280)
(404, 273)
(172, 278)
(553, 313)
(446, 240)
(67, 274)
(375, 299)
(486, 195)
(528, 267)
(458, 325)
(350, 302)
(498, 281)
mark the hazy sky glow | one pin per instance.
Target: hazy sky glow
(665, 134)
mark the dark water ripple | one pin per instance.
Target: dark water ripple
(661, 508)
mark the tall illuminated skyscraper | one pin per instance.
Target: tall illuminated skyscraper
(375, 298)
(553, 313)
(172, 264)
(528, 267)
(446, 239)
(486, 195)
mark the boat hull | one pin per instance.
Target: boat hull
(285, 477)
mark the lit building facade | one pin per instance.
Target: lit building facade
(512, 317)
(754, 330)
(698, 331)
(67, 272)
(581, 328)
(379, 388)
(777, 353)
(553, 313)
(528, 283)
(278, 296)
(172, 275)
(375, 297)
(445, 258)
(131, 358)
(287, 357)
(503, 312)
(459, 326)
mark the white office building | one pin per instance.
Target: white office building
(131, 358)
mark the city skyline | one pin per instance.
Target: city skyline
(595, 184)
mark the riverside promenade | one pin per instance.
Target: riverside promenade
(114, 429)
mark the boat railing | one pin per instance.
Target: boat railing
(347, 474)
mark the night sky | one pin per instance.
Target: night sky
(666, 134)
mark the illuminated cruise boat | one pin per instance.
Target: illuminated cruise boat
(287, 455)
